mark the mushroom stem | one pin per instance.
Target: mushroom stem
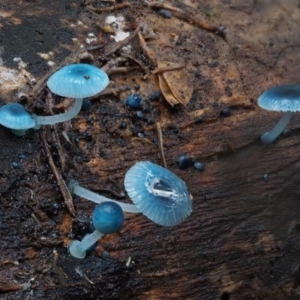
(269, 137)
(78, 249)
(80, 191)
(50, 120)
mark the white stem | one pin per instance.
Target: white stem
(78, 249)
(269, 137)
(85, 193)
(89, 240)
(50, 120)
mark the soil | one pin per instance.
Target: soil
(242, 240)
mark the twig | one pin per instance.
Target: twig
(110, 91)
(62, 276)
(147, 51)
(110, 8)
(168, 69)
(49, 103)
(182, 15)
(61, 184)
(116, 46)
(161, 145)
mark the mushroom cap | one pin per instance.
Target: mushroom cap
(158, 193)
(108, 217)
(14, 116)
(281, 98)
(78, 81)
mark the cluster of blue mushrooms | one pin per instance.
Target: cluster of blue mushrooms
(155, 191)
(284, 98)
(108, 217)
(74, 81)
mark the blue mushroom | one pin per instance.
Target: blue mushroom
(16, 118)
(75, 81)
(108, 217)
(285, 98)
(158, 193)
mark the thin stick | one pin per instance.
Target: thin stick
(182, 15)
(61, 184)
(116, 46)
(161, 145)
(110, 8)
(168, 69)
(50, 103)
(147, 51)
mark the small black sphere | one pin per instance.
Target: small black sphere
(155, 95)
(225, 112)
(287, 132)
(123, 125)
(165, 13)
(198, 165)
(184, 162)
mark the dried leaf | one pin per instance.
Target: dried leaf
(7, 285)
(164, 88)
(178, 81)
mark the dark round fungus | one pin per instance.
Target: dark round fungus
(184, 161)
(134, 101)
(150, 121)
(198, 165)
(165, 13)
(108, 217)
(15, 165)
(123, 125)
(155, 95)
(225, 112)
(287, 132)
(86, 104)
(266, 177)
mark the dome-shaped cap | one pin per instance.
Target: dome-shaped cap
(14, 116)
(108, 217)
(78, 81)
(158, 193)
(281, 98)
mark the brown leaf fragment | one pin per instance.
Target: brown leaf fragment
(168, 95)
(7, 285)
(179, 82)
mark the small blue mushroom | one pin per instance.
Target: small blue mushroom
(108, 217)
(285, 98)
(75, 81)
(158, 193)
(16, 118)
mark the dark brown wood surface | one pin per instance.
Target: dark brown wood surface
(242, 240)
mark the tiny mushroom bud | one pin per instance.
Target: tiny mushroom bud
(16, 118)
(158, 193)
(108, 217)
(285, 98)
(75, 81)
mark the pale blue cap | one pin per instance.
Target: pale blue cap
(281, 98)
(78, 81)
(158, 193)
(14, 116)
